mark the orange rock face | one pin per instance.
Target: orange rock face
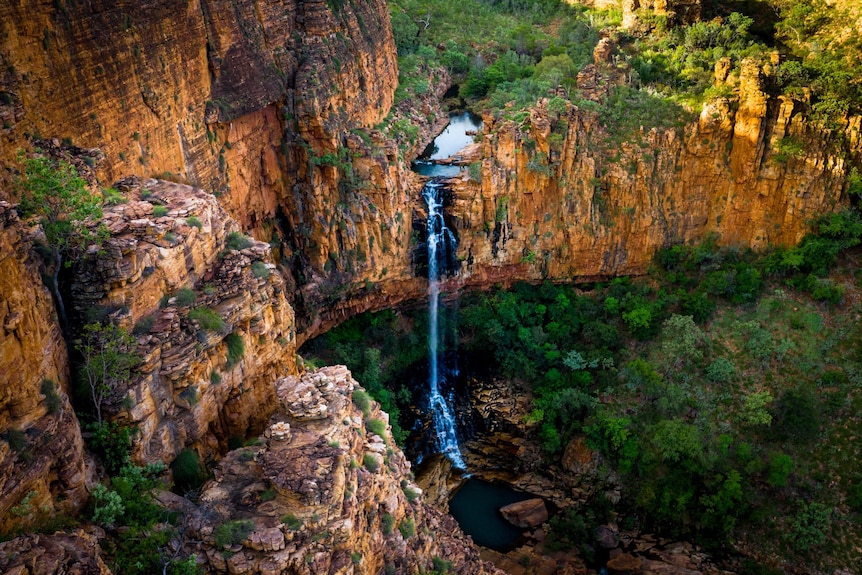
(198, 384)
(165, 89)
(275, 108)
(42, 457)
(580, 212)
(329, 496)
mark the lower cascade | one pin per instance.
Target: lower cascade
(441, 243)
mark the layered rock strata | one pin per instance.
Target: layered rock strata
(37, 554)
(277, 109)
(42, 469)
(563, 197)
(323, 493)
(151, 85)
(210, 315)
(575, 208)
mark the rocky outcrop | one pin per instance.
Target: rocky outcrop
(160, 87)
(563, 197)
(37, 554)
(210, 315)
(675, 11)
(576, 209)
(526, 514)
(42, 467)
(323, 493)
(265, 105)
(282, 110)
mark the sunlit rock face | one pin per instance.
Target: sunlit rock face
(332, 497)
(190, 389)
(42, 455)
(573, 208)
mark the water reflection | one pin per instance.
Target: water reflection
(457, 135)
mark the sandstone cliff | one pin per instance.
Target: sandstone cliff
(191, 288)
(323, 494)
(273, 108)
(579, 209)
(42, 457)
(252, 101)
(38, 554)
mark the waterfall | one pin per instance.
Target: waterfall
(441, 243)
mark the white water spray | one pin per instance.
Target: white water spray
(440, 242)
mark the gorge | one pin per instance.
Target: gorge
(255, 165)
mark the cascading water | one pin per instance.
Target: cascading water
(441, 243)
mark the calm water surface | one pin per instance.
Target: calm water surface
(476, 509)
(450, 141)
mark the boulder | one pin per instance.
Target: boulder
(624, 564)
(526, 514)
(606, 537)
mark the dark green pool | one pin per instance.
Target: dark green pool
(476, 508)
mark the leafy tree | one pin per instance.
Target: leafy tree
(683, 339)
(107, 506)
(556, 70)
(405, 31)
(107, 361)
(66, 209)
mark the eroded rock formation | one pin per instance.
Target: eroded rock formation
(323, 494)
(37, 554)
(596, 205)
(190, 388)
(42, 468)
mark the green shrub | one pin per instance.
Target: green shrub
(190, 395)
(144, 325)
(24, 507)
(187, 471)
(235, 349)
(236, 241)
(407, 528)
(232, 533)
(441, 566)
(160, 211)
(780, 466)
(260, 270)
(369, 462)
(113, 442)
(185, 297)
(16, 439)
(207, 319)
(376, 426)
(194, 222)
(362, 400)
(411, 494)
(292, 522)
(809, 526)
(107, 506)
(268, 494)
(721, 370)
(52, 400)
(215, 377)
(387, 524)
(112, 197)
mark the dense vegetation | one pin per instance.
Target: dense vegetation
(724, 388)
(502, 51)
